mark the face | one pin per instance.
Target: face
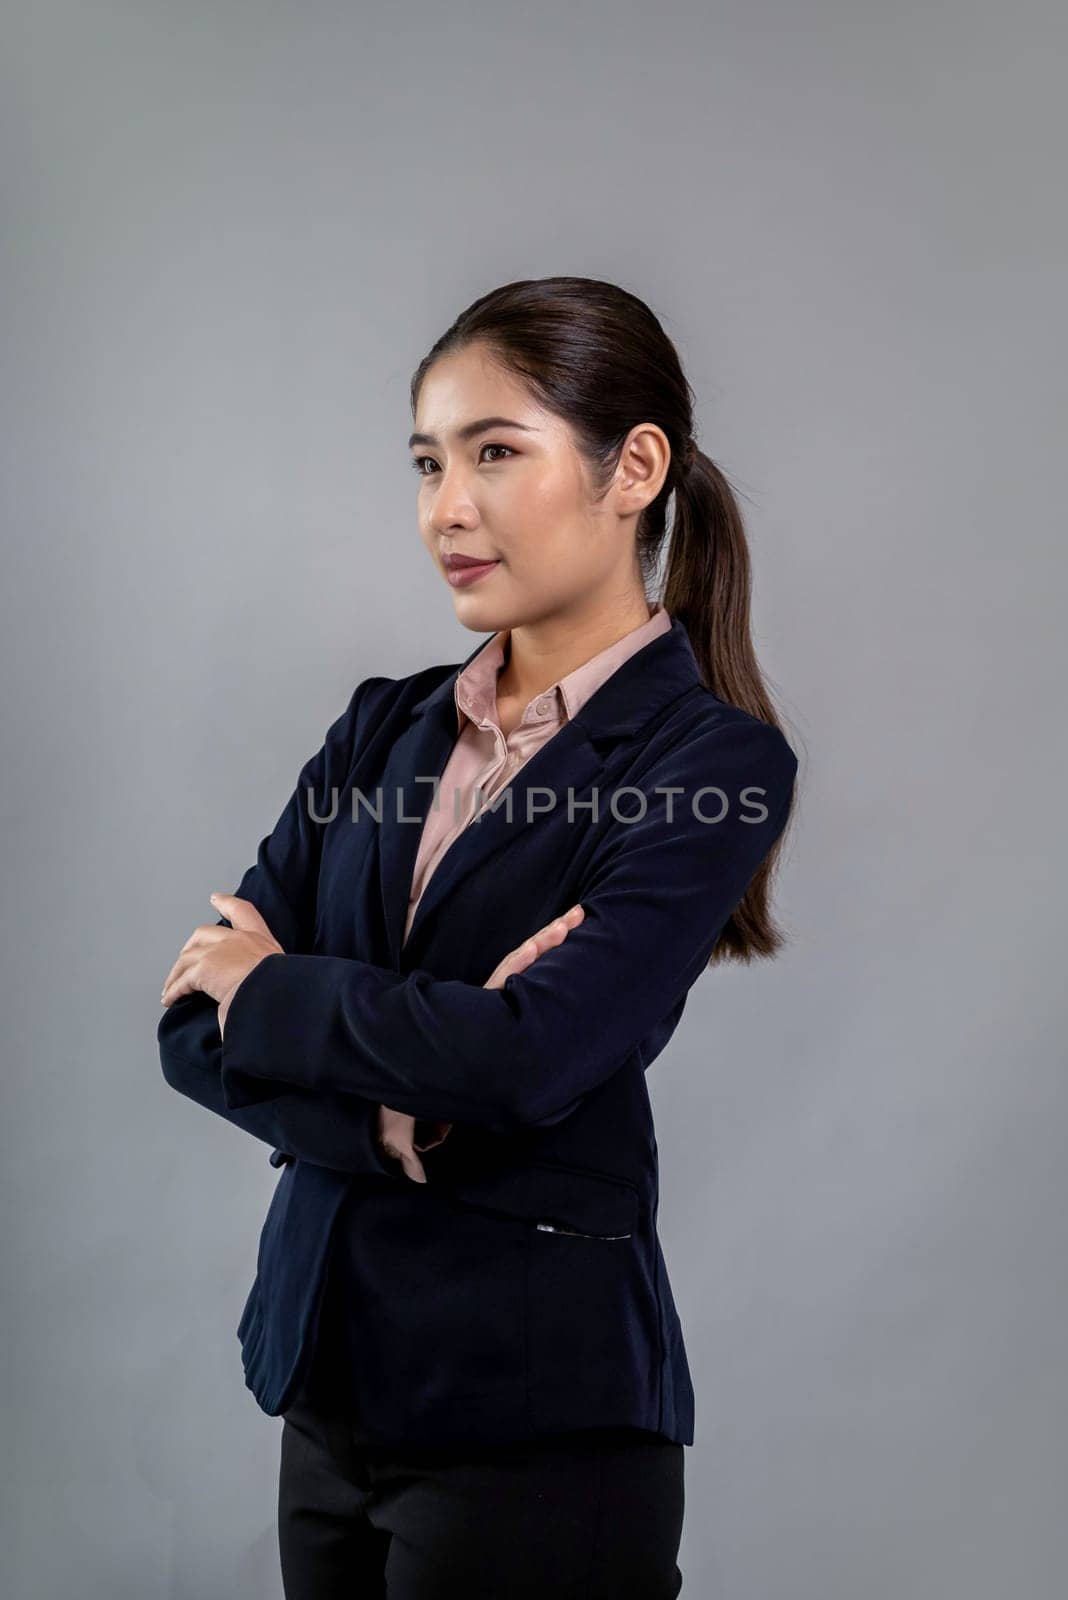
(515, 491)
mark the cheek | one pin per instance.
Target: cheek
(541, 518)
(554, 493)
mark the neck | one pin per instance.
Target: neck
(537, 654)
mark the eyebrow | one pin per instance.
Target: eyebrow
(470, 429)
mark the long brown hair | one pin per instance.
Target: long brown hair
(596, 356)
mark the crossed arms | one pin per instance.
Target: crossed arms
(315, 1043)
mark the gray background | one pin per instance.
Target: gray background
(231, 230)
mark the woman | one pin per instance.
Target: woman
(439, 988)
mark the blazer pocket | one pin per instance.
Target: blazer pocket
(593, 1346)
(591, 1349)
(551, 1198)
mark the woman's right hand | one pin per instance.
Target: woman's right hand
(396, 1129)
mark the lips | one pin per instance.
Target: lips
(462, 571)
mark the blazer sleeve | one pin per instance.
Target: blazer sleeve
(330, 1128)
(656, 898)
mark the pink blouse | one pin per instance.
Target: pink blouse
(486, 759)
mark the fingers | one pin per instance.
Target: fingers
(405, 1154)
(241, 913)
(208, 933)
(179, 979)
(553, 933)
(394, 1137)
(570, 919)
(524, 955)
(440, 1131)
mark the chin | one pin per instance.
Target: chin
(480, 613)
(481, 621)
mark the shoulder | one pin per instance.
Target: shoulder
(727, 725)
(381, 702)
(708, 744)
(705, 728)
(379, 697)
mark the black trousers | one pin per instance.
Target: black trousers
(589, 1515)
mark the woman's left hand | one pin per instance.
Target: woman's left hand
(217, 960)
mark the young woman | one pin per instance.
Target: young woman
(438, 989)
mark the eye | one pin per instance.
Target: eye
(417, 462)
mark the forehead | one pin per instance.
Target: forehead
(466, 387)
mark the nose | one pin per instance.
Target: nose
(452, 506)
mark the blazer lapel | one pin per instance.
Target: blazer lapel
(566, 760)
(572, 758)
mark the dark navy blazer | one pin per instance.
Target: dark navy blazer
(522, 1289)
